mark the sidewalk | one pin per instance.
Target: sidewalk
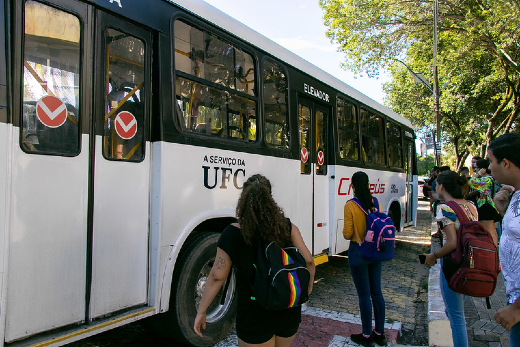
(483, 331)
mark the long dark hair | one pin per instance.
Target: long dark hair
(455, 184)
(361, 189)
(259, 216)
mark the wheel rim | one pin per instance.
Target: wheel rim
(218, 308)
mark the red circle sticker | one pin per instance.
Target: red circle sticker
(321, 158)
(126, 125)
(51, 111)
(304, 154)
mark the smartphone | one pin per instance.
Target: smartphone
(422, 258)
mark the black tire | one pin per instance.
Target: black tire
(193, 267)
(395, 216)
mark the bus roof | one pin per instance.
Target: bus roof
(231, 25)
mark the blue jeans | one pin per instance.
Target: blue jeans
(514, 336)
(367, 279)
(454, 303)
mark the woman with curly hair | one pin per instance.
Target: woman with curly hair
(260, 220)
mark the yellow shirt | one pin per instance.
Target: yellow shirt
(354, 217)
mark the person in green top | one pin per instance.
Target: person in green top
(483, 182)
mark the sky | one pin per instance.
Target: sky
(298, 26)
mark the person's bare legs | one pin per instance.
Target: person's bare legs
(275, 341)
(270, 343)
(283, 341)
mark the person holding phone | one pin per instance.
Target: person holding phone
(422, 258)
(452, 187)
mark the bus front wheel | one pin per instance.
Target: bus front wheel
(192, 270)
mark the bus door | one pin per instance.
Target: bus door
(46, 280)
(121, 162)
(411, 209)
(313, 125)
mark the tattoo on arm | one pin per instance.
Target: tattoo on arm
(220, 263)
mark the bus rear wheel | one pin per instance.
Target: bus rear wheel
(394, 214)
(192, 270)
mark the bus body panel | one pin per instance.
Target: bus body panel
(5, 154)
(120, 234)
(46, 273)
(197, 179)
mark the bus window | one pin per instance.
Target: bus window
(124, 106)
(321, 141)
(210, 111)
(348, 137)
(373, 141)
(219, 108)
(245, 72)
(51, 80)
(219, 61)
(304, 115)
(394, 145)
(275, 106)
(189, 49)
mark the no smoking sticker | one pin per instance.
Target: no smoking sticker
(51, 111)
(126, 125)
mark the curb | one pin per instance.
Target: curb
(439, 330)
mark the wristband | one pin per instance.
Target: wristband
(435, 255)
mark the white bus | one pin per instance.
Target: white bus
(127, 129)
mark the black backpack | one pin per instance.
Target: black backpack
(281, 278)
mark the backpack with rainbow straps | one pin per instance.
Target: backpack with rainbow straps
(281, 277)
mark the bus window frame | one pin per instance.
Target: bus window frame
(383, 140)
(146, 85)
(347, 161)
(235, 43)
(18, 65)
(389, 123)
(287, 103)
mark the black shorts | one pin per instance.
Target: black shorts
(257, 326)
(488, 212)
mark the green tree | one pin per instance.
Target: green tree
(424, 165)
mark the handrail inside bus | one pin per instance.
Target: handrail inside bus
(123, 100)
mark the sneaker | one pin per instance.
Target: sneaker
(379, 339)
(361, 340)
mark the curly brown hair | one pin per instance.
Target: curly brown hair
(259, 216)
